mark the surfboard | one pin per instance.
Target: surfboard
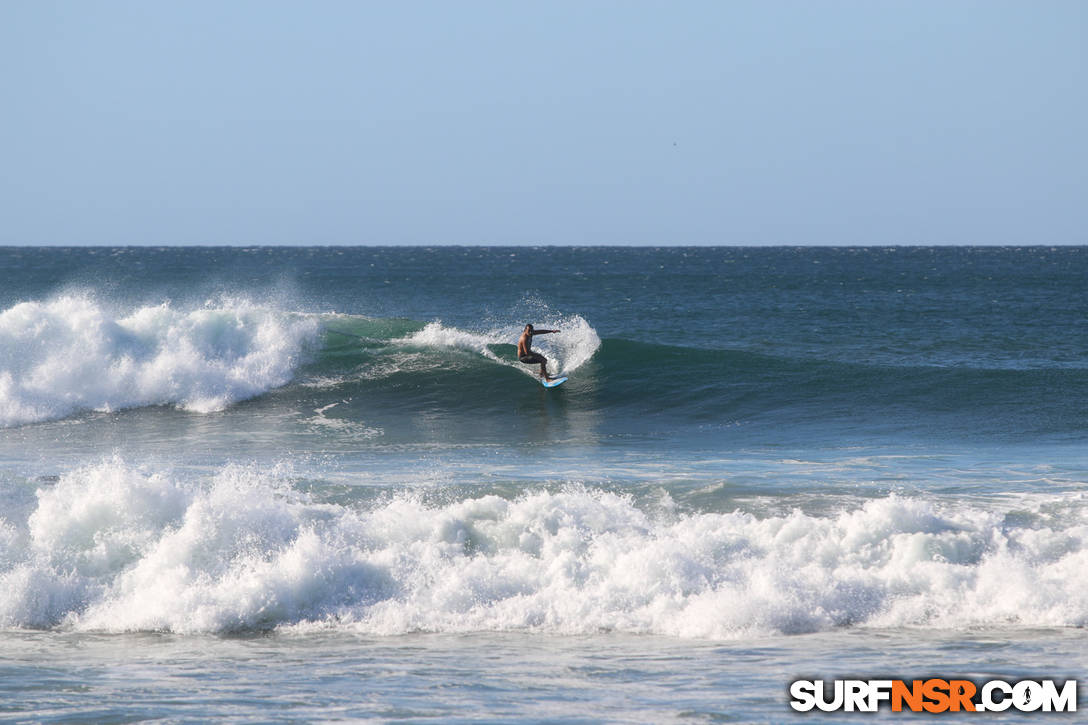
(555, 382)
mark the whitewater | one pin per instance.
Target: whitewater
(72, 353)
(112, 548)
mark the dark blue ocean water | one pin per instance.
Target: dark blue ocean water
(763, 456)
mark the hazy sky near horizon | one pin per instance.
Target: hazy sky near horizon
(588, 122)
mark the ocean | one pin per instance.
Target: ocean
(315, 483)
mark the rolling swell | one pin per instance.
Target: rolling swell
(708, 384)
(628, 378)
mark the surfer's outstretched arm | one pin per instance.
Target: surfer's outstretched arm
(543, 332)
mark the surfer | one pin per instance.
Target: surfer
(525, 350)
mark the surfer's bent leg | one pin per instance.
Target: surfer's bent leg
(534, 358)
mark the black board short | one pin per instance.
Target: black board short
(533, 358)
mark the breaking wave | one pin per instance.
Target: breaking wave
(112, 547)
(566, 351)
(73, 353)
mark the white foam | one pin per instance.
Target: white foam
(575, 344)
(343, 426)
(115, 548)
(435, 334)
(73, 353)
(572, 347)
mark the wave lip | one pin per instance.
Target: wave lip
(111, 547)
(71, 354)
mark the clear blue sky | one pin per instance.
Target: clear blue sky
(627, 122)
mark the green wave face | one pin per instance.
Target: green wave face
(412, 367)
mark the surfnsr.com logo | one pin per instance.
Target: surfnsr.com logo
(934, 695)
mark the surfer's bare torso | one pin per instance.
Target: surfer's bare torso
(525, 350)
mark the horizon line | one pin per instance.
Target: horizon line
(533, 245)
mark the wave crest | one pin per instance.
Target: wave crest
(72, 353)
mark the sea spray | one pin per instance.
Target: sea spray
(73, 353)
(568, 350)
(111, 547)
(572, 346)
(437, 335)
